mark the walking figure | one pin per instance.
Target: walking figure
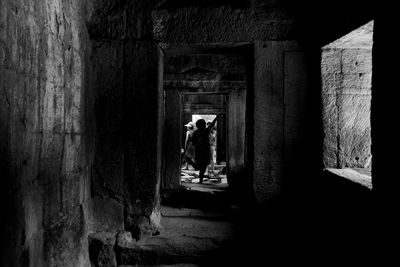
(201, 141)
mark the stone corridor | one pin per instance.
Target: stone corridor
(94, 96)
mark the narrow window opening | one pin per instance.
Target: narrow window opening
(346, 71)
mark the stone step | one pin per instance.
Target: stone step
(171, 250)
(198, 213)
(181, 242)
(163, 265)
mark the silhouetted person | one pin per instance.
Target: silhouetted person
(201, 143)
(189, 147)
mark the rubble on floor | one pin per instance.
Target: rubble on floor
(189, 175)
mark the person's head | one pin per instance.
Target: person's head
(189, 125)
(201, 124)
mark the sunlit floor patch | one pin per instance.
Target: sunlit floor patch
(192, 176)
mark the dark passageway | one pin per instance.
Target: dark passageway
(94, 96)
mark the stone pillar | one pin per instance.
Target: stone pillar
(221, 140)
(129, 112)
(45, 142)
(281, 117)
(171, 175)
(236, 137)
(268, 119)
(143, 107)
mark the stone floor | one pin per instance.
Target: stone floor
(327, 221)
(188, 237)
(164, 265)
(197, 225)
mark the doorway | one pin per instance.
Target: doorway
(202, 85)
(216, 171)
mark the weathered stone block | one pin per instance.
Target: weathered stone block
(108, 171)
(356, 83)
(331, 82)
(330, 127)
(124, 238)
(101, 249)
(355, 133)
(107, 215)
(141, 226)
(331, 61)
(356, 60)
(224, 24)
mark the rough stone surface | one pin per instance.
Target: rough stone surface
(221, 24)
(346, 96)
(54, 150)
(231, 66)
(274, 132)
(107, 74)
(183, 240)
(101, 248)
(143, 103)
(205, 71)
(45, 145)
(126, 69)
(106, 215)
(124, 238)
(164, 265)
(186, 212)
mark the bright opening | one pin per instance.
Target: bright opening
(346, 71)
(216, 170)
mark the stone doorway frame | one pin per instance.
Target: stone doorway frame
(238, 165)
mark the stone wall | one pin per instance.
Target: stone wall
(346, 90)
(127, 100)
(208, 71)
(277, 129)
(213, 24)
(45, 146)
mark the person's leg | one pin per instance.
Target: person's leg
(212, 160)
(193, 163)
(201, 174)
(187, 161)
(210, 166)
